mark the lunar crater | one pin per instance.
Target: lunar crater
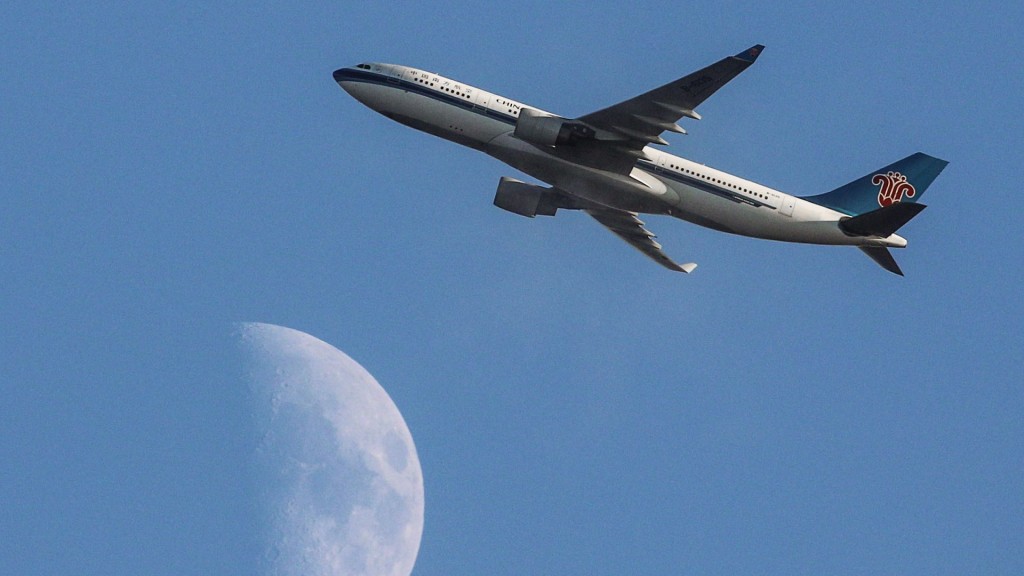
(342, 484)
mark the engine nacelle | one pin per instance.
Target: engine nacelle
(525, 199)
(546, 130)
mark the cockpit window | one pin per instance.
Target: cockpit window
(364, 66)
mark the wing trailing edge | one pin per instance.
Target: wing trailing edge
(627, 226)
(642, 119)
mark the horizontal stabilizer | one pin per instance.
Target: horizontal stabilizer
(883, 222)
(883, 257)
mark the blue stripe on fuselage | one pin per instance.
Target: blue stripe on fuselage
(356, 75)
(700, 184)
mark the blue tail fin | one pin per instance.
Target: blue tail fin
(903, 181)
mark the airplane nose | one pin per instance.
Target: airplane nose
(347, 80)
(343, 77)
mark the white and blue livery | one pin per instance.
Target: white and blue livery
(603, 164)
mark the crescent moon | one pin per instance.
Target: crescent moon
(340, 480)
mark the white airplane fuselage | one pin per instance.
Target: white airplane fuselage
(660, 183)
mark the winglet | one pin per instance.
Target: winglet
(751, 54)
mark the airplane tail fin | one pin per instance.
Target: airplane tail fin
(902, 181)
(881, 202)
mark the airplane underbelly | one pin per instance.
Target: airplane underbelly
(767, 222)
(475, 124)
(374, 96)
(466, 126)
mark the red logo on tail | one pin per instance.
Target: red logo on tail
(893, 186)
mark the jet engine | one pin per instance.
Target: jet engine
(525, 199)
(547, 130)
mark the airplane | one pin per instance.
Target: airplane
(603, 164)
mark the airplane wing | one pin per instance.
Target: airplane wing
(640, 121)
(628, 227)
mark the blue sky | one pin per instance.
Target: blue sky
(170, 170)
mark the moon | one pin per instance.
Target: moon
(339, 479)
